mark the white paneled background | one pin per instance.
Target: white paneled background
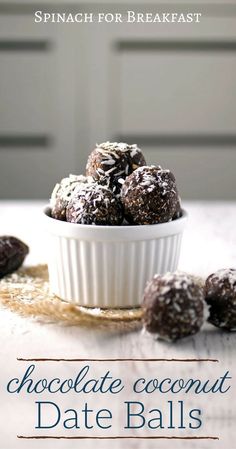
(170, 88)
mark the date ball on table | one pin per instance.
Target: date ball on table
(173, 306)
(220, 295)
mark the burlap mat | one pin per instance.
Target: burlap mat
(27, 293)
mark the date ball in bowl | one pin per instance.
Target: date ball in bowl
(63, 192)
(93, 204)
(111, 162)
(150, 196)
(108, 236)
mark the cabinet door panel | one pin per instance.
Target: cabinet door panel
(28, 94)
(165, 92)
(37, 108)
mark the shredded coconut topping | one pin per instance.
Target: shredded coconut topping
(150, 177)
(92, 202)
(67, 186)
(178, 280)
(226, 275)
(110, 148)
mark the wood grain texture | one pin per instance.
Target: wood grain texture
(209, 243)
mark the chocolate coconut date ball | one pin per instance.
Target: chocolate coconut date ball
(12, 254)
(62, 193)
(149, 195)
(173, 306)
(111, 162)
(94, 204)
(220, 295)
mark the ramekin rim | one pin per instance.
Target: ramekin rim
(171, 223)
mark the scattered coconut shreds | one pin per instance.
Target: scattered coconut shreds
(27, 292)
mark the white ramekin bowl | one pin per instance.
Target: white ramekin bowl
(108, 266)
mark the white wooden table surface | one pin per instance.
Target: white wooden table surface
(209, 244)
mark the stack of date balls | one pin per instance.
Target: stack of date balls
(118, 189)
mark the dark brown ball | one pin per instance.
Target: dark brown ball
(111, 162)
(220, 294)
(173, 306)
(12, 254)
(62, 194)
(94, 204)
(149, 195)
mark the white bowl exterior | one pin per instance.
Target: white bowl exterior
(104, 267)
